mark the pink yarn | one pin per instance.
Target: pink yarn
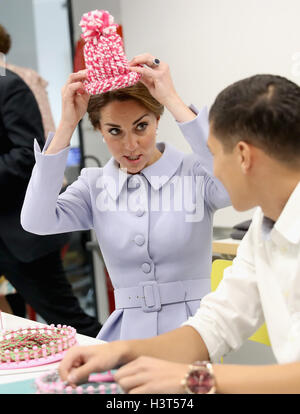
(106, 63)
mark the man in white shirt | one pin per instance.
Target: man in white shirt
(255, 140)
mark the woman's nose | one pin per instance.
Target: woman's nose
(131, 142)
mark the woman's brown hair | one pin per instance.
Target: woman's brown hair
(5, 40)
(137, 92)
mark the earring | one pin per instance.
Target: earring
(103, 140)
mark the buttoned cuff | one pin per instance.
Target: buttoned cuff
(200, 119)
(196, 131)
(53, 165)
(38, 150)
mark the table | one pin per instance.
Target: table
(13, 375)
(225, 246)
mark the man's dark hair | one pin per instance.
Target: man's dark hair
(263, 110)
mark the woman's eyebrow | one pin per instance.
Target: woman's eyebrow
(113, 125)
(135, 122)
(119, 126)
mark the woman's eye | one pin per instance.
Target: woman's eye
(114, 131)
(142, 126)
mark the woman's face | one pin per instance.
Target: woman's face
(129, 130)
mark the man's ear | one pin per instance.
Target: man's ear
(244, 152)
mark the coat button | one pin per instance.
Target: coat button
(139, 239)
(140, 212)
(146, 267)
(134, 182)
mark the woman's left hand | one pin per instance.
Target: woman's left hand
(158, 80)
(147, 375)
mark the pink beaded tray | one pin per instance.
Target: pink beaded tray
(31, 347)
(102, 383)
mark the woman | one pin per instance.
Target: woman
(151, 206)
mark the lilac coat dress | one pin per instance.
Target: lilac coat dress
(154, 228)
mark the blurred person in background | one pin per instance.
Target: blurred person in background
(31, 263)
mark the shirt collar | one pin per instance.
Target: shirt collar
(288, 223)
(157, 174)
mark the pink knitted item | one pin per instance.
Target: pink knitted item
(105, 60)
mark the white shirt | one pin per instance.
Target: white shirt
(262, 285)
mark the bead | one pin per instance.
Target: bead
(26, 354)
(69, 389)
(35, 352)
(44, 350)
(17, 356)
(79, 389)
(59, 345)
(102, 389)
(90, 389)
(7, 356)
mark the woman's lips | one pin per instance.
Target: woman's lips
(133, 161)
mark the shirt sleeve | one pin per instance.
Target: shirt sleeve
(45, 211)
(196, 133)
(228, 316)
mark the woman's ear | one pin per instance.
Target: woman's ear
(98, 128)
(157, 121)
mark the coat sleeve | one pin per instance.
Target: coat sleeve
(45, 211)
(228, 316)
(20, 121)
(196, 133)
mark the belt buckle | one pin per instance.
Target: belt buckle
(150, 296)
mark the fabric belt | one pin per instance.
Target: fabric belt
(150, 295)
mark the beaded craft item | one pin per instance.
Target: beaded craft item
(29, 347)
(50, 383)
(105, 60)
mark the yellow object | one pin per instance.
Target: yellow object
(218, 266)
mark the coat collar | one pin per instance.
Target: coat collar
(157, 174)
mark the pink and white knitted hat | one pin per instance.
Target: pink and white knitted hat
(105, 60)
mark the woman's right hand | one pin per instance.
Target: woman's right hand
(74, 99)
(74, 105)
(81, 361)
